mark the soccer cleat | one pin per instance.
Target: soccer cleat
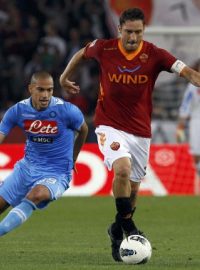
(141, 233)
(115, 244)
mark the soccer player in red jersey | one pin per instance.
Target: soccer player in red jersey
(129, 67)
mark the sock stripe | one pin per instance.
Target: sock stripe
(30, 203)
(20, 214)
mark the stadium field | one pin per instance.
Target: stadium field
(71, 234)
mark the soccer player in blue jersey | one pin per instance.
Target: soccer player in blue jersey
(55, 131)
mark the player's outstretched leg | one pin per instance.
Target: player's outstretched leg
(17, 216)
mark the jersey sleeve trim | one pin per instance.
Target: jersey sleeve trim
(78, 129)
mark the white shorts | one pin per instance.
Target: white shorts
(194, 140)
(115, 144)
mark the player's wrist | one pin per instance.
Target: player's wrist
(180, 134)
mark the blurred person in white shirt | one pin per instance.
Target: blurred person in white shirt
(189, 117)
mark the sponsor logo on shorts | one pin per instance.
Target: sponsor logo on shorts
(49, 180)
(102, 138)
(41, 139)
(115, 146)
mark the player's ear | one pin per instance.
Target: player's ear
(119, 29)
(30, 88)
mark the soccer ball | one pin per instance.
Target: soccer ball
(135, 249)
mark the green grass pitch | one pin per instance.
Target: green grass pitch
(71, 234)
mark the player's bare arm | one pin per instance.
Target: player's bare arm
(80, 140)
(2, 137)
(68, 85)
(191, 75)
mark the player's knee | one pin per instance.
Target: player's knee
(122, 173)
(38, 194)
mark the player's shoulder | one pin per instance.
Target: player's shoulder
(160, 55)
(150, 45)
(22, 104)
(25, 102)
(104, 43)
(18, 108)
(55, 101)
(62, 104)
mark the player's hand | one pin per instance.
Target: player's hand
(71, 87)
(180, 135)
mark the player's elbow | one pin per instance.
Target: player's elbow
(61, 79)
(84, 130)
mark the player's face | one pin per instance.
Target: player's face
(41, 92)
(131, 34)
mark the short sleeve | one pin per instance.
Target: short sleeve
(165, 59)
(9, 120)
(73, 116)
(94, 49)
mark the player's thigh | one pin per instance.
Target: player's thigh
(112, 144)
(13, 189)
(122, 167)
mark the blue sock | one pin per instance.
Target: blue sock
(17, 216)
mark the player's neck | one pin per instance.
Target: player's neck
(38, 108)
(132, 54)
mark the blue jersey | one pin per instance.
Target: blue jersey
(50, 133)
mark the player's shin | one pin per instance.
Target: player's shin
(124, 215)
(116, 226)
(17, 216)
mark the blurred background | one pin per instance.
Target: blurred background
(44, 34)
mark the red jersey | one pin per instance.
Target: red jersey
(126, 83)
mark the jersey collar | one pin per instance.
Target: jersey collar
(129, 56)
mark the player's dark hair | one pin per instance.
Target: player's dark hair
(40, 75)
(131, 14)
